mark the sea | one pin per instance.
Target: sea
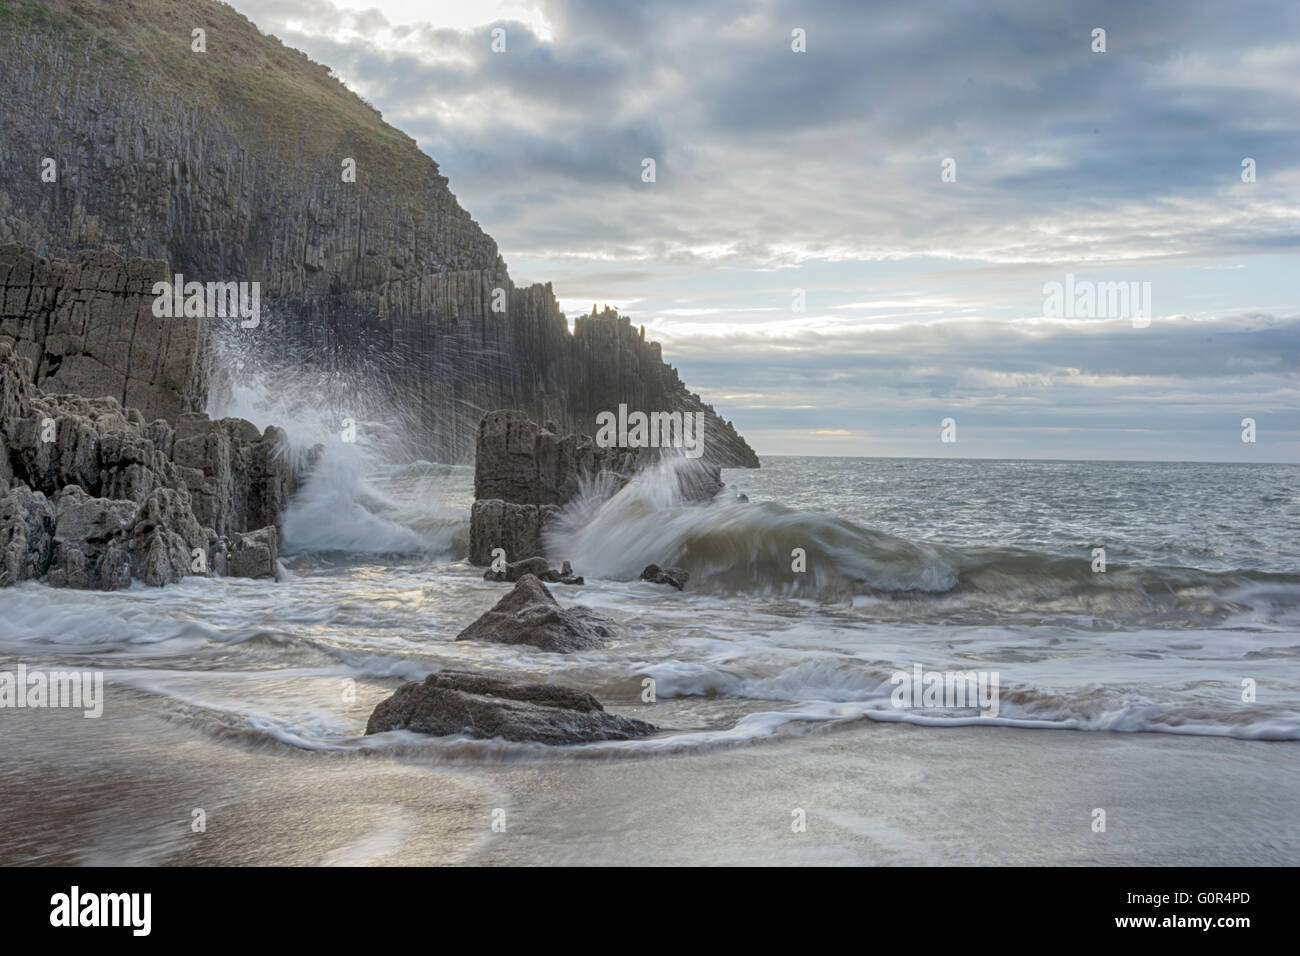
(1108, 597)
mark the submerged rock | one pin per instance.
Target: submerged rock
(539, 568)
(455, 702)
(529, 615)
(677, 577)
(564, 576)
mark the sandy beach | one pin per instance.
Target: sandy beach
(121, 790)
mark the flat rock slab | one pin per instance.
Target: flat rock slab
(530, 615)
(456, 702)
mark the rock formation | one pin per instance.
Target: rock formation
(530, 615)
(452, 702)
(232, 165)
(539, 567)
(88, 327)
(514, 528)
(524, 472)
(94, 496)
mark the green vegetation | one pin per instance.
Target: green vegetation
(28, 15)
(264, 90)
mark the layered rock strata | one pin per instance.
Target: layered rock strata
(88, 327)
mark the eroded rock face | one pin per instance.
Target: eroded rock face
(95, 499)
(389, 271)
(530, 615)
(238, 477)
(254, 555)
(454, 702)
(167, 535)
(87, 326)
(516, 529)
(519, 461)
(27, 522)
(92, 542)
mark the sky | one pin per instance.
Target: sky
(846, 245)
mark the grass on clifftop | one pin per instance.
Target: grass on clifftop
(262, 88)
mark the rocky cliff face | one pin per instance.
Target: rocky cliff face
(93, 496)
(229, 165)
(88, 327)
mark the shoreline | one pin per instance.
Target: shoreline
(122, 792)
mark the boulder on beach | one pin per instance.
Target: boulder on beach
(455, 702)
(530, 615)
(677, 577)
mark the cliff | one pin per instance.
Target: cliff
(94, 496)
(228, 165)
(88, 327)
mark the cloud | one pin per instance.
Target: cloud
(768, 156)
(821, 170)
(1173, 390)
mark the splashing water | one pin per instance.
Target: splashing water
(361, 493)
(1200, 593)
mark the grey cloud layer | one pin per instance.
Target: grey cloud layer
(1061, 152)
(1177, 375)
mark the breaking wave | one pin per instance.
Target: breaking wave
(734, 547)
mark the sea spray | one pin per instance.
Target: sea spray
(1149, 646)
(341, 507)
(733, 546)
(364, 487)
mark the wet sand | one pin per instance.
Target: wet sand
(121, 790)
